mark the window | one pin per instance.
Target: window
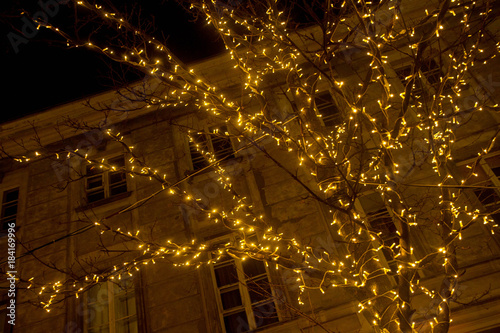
(215, 142)
(486, 176)
(404, 74)
(111, 308)
(327, 109)
(101, 184)
(10, 201)
(429, 77)
(381, 221)
(244, 294)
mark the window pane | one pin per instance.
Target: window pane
(117, 189)
(9, 210)
(124, 298)
(124, 305)
(98, 294)
(487, 196)
(6, 221)
(221, 143)
(200, 141)
(326, 107)
(222, 148)
(496, 171)
(259, 290)
(230, 299)
(265, 314)
(11, 195)
(94, 182)
(226, 275)
(97, 308)
(252, 267)
(127, 325)
(123, 301)
(97, 314)
(403, 73)
(199, 162)
(381, 221)
(117, 177)
(236, 323)
(432, 72)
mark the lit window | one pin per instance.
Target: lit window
(101, 184)
(10, 200)
(111, 308)
(327, 109)
(216, 142)
(245, 296)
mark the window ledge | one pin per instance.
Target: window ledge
(104, 201)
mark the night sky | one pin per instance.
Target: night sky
(41, 75)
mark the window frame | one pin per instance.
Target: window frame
(106, 186)
(242, 285)
(109, 304)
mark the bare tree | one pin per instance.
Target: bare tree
(365, 106)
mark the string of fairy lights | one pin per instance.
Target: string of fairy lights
(362, 153)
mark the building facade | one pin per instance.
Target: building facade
(63, 208)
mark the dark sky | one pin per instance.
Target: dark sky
(40, 75)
